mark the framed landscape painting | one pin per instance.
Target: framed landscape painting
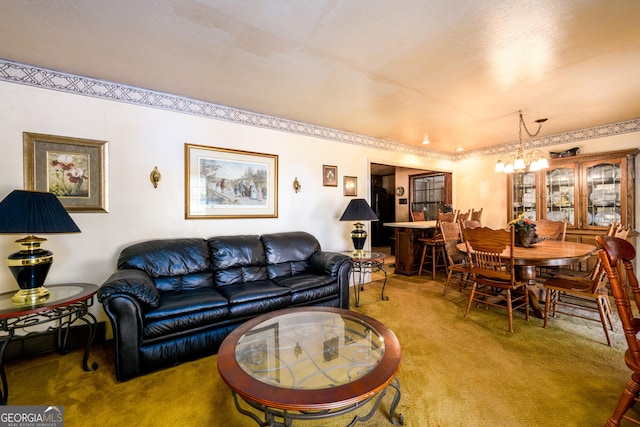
(73, 169)
(226, 183)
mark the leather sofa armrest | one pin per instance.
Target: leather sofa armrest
(328, 262)
(135, 283)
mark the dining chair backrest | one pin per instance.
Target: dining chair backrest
(417, 216)
(477, 215)
(618, 251)
(618, 230)
(446, 216)
(547, 229)
(464, 216)
(491, 252)
(450, 231)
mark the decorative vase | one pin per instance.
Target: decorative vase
(525, 238)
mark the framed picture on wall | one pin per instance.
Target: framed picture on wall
(350, 185)
(329, 176)
(225, 183)
(73, 169)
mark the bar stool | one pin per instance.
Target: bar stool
(433, 249)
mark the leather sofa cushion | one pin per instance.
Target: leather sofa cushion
(237, 259)
(185, 311)
(255, 297)
(167, 258)
(288, 254)
(309, 287)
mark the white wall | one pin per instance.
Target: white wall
(140, 138)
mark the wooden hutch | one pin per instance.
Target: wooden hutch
(590, 191)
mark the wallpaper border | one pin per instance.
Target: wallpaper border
(15, 72)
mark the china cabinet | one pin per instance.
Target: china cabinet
(590, 191)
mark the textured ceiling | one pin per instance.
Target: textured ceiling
(458, 71)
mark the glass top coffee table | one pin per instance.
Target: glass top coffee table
(311, 363)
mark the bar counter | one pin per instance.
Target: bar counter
(408, 250)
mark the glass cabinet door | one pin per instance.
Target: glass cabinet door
(560, 194)
(523, 195)
(603, 193)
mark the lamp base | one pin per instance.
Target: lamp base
(30, 266)
(33, 296)
(358, 237)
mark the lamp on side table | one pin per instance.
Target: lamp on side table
(32, 212)
(358, 210)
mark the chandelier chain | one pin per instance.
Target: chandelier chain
(523, 124)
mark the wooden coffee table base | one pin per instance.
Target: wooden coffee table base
(279, 418)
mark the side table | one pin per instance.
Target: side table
(66, 304)
(363, 263)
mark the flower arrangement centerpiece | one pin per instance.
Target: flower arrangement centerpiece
(525, 230)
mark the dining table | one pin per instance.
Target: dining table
(547, 253)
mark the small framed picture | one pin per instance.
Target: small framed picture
(350, 184)
(73, 169)
(329, 176)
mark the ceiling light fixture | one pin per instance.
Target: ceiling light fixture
(521, 162)
(460, 148)
(426, 141)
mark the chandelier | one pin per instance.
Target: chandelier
(521, 162)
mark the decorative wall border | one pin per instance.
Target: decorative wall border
(15, 72)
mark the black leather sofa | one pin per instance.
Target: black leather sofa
(174, 300)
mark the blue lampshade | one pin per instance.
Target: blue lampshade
(34, 212)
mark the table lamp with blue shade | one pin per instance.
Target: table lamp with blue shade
(32, 212)
(358, 210)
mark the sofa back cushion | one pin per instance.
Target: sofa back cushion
(288, 253)
(237, 259)
(174, 264)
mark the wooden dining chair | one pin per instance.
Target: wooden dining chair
(417, 216)
(618, 251)
(476, 216)
(490, 254)
(457, 262)
(567, 295)
(464, 216)
(433, 247)
(547, 229)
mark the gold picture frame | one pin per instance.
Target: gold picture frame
(329, 176)
(73, 169)
(226, 183)
(350, 186)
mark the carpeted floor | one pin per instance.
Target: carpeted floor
(455, 372)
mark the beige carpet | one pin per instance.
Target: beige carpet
(455, 372)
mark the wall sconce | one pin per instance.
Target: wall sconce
(520, 162)
(155, 177)
(296, 185)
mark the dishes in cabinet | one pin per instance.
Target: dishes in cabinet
(529, 179)
(559, 175)
(529, 199)
(559, 215)
(603, 219)
(603, 196)
(602, 173)
(560, 199)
